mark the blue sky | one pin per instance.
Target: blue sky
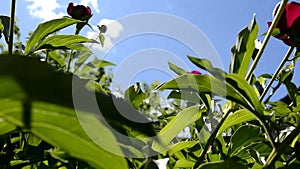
(220, 21)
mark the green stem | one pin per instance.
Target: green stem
(269, 34)
(267, 130)
(281, 147)
(11, 27)
(69, 62)
(211, 138)
(284, 60)
(71, 54)
(272, 92)
(46, 58)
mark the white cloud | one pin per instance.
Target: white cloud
(94, 4)
(44, 10)
(113, 30)
(113, 27)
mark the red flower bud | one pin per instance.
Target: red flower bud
(80, 12)
(196, 72)
(289, 24)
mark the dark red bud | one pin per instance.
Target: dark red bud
(80, 12)
(196, 72)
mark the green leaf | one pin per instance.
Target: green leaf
(243, 50)
(6, 127)
(275, 32)
(242, 137)
(176, 69)
(191, 96)
(234, 88)
(97, 63)
(33, 140)
(292, 92)
(102, 39)
(46, 28)
(185, 95)
(175, 126)
(227, 164)
(60, 127)
(280, 108)
(59, 155)
(82, 57)
(62, 41)
(4, 27)
(286, 74)
(199, 83)
(135, 95)
(182, 163)
(181, 146)
(57, 57)
(237, 117)
(247, 92)
(260, 147)
(1, 28)
(78, 47)
(87, 72)
(18, 162)
(23, 78)
(94, 86)
(259, 84)
(256, 166)
(206, 65)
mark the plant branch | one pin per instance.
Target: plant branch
(284, 60)
(267, 130)
(272, 92)
(281, 147)
(11, 27)
(269, 34)
(69, 62)
(211, 139)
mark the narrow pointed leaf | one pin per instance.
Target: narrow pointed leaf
(245, 90)
(237, 117)
(243, 136)
(135, 95)
(178, 70)
(60, 127)
(46, 28)
(6, 127)
(57, 57)
(62, 41)
(102, 39)
(206, 65)
(97, 63)
(243, 50)
(175, 126)
(234, 88)
(182, 145)
(4, 21)
(182, 163)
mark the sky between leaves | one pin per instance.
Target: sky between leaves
(219, 21)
